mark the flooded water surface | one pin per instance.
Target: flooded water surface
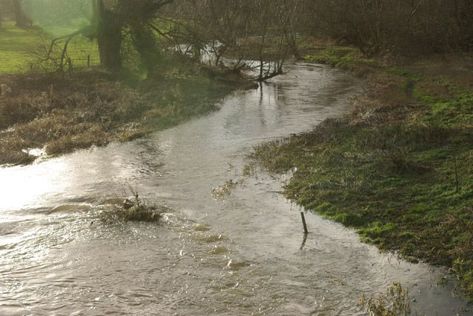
(212, 254)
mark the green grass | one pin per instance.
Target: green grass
(16, 46)
(19, 49)
(348, 58)
(443, 110)
(56, 30)
(399, 169)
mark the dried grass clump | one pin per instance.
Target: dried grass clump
(394, 303)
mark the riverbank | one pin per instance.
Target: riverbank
(43, 111)
(398, 168)
(57, 114)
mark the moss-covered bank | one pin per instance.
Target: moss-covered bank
(399, 168)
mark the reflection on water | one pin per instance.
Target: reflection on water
(239, 255)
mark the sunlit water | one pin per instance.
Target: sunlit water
(237, 256)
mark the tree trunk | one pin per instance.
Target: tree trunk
(291, 39)
(22, 20)
(146, 46)
(109, 37)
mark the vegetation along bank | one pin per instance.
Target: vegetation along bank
(106, 73)
(399, 167)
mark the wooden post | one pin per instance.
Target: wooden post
(303, 242)
(304, 224)
(88, 61)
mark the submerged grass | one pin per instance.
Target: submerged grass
(399, 168)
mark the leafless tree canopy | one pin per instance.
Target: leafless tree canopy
(267, 31)
(400, 26)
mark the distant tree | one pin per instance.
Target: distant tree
(4, 9)
(21, 18)
(58, 12)
(396, 26)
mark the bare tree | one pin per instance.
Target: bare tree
(401, 26)
(257, 34)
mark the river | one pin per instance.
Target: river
(240, 255)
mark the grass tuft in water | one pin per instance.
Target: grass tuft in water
(395, 302)
(133, 209)
(223, 191)
(136, 210)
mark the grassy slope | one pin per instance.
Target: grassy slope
(399, 168)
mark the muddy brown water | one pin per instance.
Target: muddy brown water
(239, 255)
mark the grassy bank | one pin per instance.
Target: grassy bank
(22, 49)
(399, 167)
(59, 113)
(91, 108)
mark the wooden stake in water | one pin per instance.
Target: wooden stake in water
(306, 231)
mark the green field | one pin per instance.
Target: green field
(21, 50)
